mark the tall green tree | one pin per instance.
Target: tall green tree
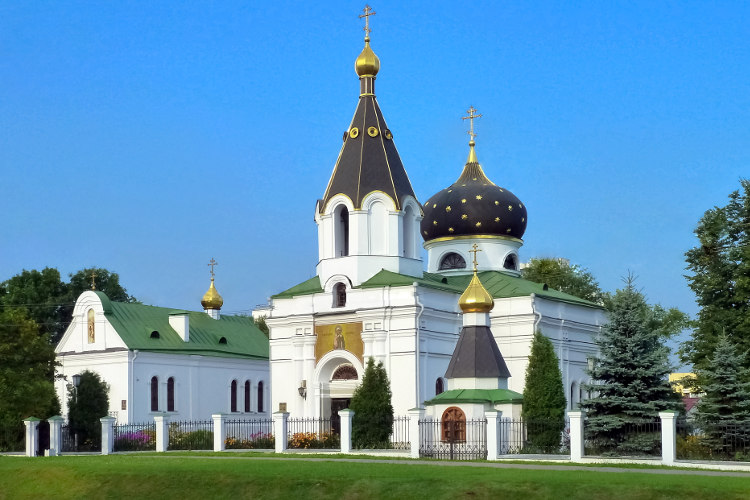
(27, 364)
(726, 383)
(373, 410)
(543, 395)
(630, 377)
(87, 403)
(560, 275)
(720, 278)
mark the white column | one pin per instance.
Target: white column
(280, 425)
(493, 434)
(31, 424)
(415, 415)
(219, 431)
(162, 432)
(55, 435)
(108, 434)
(668, 437)
(576, 435)
(346, 430)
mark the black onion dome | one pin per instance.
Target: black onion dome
(473, 205)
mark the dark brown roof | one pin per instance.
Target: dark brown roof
(477, 355)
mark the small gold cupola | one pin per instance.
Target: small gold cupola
(367, 63)
(476, 298)
(212, 299)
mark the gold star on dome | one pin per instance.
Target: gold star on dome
(510, 208)
(520, 205)
(464, 216)
(448, 208)
(434, 223)
(463, 200)
(478, 224)
(434, 205)
(523, 219)
(497, 219)
(425, 233)
(473, 178)
(479, 197)
(463, 185)
(450, 190)
(507, 230)
(450, 229)
(501, 190)
(497, 202)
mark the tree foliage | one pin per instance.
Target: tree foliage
(373, 411)
(726, 383)
(86, 405)
(260, 322)
(558, 274)
(720, 278)
(543, 395)
(49, 300)
(630, 376)
(27, 364)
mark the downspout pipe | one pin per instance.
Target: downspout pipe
(132, 389)
(417, 346)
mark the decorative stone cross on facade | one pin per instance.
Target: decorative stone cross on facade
(472, 110)
(367, 13)
(93, 277)
(474, 250)
(211, 264)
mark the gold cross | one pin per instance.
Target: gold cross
(93, 276)
(474, 250)
(211, 264)
(471, 117)
(367, 13)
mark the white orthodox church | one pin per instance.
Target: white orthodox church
(371, 296)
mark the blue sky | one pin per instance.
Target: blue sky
(149, 138)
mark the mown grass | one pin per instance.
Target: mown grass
(125, 476)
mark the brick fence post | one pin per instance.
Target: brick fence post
(415, 415)
(576, 435)
(219, 431)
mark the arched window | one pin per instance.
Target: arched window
(439, 387)
(154, 394)
(453, 424)
(247, 396)
(341, 231)
(573, 394)
(452, 261)
(233, 397)
(170, 394)
(511, 262)
(409, 232)
(378, 220)
(260, 396)
(339, 295)
(91, 326)
(345, 372)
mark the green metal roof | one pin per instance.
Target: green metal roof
(500, 285)
(134, 323)
(492, 396)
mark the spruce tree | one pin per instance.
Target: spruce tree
(373, 411)
(543, 396)
(86, 405)
(630, 378)
(727, 398)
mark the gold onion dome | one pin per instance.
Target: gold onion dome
(212, 299)
(476, 299)
(367, 63)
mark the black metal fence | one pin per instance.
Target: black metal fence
(135, 437)
(249, 434)
(191, 435)
(13, 437)
(713, 440)
(518, 436)
(312, 433)
(621, 438)
(72, 442)
(453, 439)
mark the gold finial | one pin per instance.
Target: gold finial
(93, 277)
(474, 250)
(211, 264)
(212, 299)
(367, 13)
(472, 114)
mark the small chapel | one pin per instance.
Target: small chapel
(371, 295)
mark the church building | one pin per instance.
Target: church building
(372, 297)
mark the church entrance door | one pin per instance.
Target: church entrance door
(336, 405)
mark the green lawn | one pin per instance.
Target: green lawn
(125, 476)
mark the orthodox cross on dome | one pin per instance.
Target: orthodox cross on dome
(367, 13)
(93, 277)
(212, 264)
(472, 114)
(474, 250)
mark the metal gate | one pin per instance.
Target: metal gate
(453, 439)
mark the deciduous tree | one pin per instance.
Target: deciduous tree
(560, 275)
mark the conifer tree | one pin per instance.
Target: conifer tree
(630, 377)
(86, 405)
(543, 395)
(373, 411)
(727, 387)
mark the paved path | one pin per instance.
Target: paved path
(489, 465)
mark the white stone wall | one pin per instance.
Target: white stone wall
(491, 257)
